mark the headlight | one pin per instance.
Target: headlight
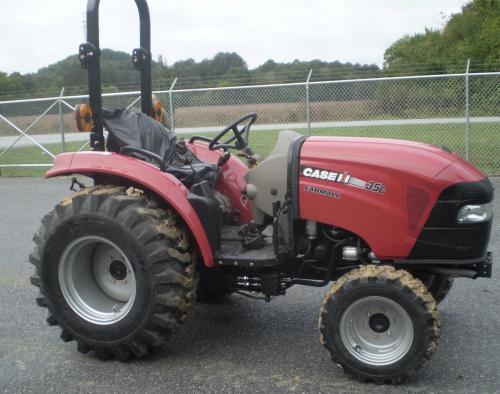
(475, 213)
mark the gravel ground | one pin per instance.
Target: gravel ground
(242, 346)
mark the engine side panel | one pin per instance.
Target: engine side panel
(381, 190)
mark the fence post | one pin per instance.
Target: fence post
(171, 105)
(467, 129)
(308, 109)
(61, 122)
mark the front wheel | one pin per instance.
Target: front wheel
(438, 285)
(380, 324)
(115, 271)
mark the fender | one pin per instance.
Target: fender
(166, 186)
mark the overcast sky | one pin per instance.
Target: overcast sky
(35, 33)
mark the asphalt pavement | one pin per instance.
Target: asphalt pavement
(242, 346)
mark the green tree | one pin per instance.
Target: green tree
(473, 33)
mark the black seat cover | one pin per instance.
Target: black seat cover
(136, 129)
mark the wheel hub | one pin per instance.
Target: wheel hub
(379, 323)
(118, 270)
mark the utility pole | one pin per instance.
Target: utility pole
(84, 25)
(467, 125)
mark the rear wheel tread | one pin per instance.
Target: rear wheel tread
(66, 336)
(41, 301)
(82, 347)
(173, 277)
(103, 354)
(138, 349)
(35, 280)
(120, 353)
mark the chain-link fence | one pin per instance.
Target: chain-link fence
(460, 111)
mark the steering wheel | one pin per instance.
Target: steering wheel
(240, 134)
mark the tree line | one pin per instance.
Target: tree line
(472, 33)
(224, 69)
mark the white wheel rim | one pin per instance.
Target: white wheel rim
(97, 280)
(376, 330)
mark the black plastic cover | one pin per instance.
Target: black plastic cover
(202, 198)
(128, 128)
(138, 130)
(443, 237)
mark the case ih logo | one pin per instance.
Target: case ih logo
(341, 177)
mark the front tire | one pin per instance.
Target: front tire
(380, 324)
(115, 271)
(438, 285)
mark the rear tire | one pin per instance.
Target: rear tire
(115, 272)
(380, 324)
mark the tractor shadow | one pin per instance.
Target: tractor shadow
(242, 327)
(282, 336)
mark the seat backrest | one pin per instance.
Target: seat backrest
(136, 129)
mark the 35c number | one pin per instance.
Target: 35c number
(375, 187)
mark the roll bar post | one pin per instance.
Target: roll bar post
(90, 53)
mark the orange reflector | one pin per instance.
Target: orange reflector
(158, 110)
(83, 117)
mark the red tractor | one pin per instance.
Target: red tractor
(119, 264)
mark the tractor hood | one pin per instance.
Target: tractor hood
(382, 190)
(411, 158)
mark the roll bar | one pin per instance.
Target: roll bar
(89, 54)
